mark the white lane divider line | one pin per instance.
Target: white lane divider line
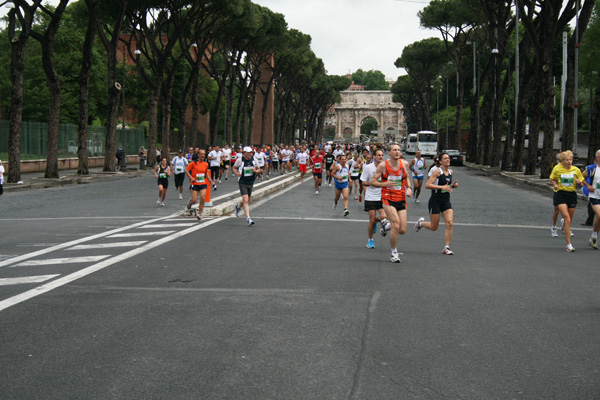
(26, 279)
(55, 261)
(107, 245)
(27, 256)
(140, 233)
(44, 288)
(160, 226)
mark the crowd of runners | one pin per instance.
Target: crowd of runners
(361, 171)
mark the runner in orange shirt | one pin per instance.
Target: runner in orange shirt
(198, 172)
(394, 183)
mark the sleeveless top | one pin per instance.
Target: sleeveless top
(395, 193)
(443, 180)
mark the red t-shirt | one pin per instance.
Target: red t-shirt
(317, 163)
(199, 171)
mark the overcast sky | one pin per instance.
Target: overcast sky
(352, 34)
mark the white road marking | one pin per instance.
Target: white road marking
(157, 226)
(11, 301)
(65, 260)
(27, 256)
(26, 279)
(107, 245)
(138, 234)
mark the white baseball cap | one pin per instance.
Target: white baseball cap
(247, 149)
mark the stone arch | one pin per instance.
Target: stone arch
(347, 134)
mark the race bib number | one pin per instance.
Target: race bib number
(597, 185)
(179, 169)
(354, 172)
(397, 181)
(567, 180)
(318, 165)
(345, 178)
(200, 178)
(248, 171)
(162, 175)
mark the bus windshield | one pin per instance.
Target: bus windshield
(427, 137)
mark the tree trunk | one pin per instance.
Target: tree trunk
(153, 124)
(456, 139)
(549, 117)
(594, 143)
(112, 111)
(84, 90)
(193, 140)
(166, 116)
(16, 109)
(54, 110)
(534, 130)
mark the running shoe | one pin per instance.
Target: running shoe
(199, 217)
(570, 248)
(562, 227)
(334, 205)
(593, 243)
(346, 212)
(189, 205)
(158, 201)
(447, 251)
(395, 258)
(417, 201)
(180, 197)
(219, 181)
(418, 225)
(237, 210)
(330, 185)
(554, 232)
(250, 222)
(370, 244)
(317, 192)
(355, 197)
(162, 203)
(383, 231)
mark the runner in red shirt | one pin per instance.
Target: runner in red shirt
(317, 168)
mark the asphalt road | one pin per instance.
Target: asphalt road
(295, 307)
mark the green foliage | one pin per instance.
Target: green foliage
(368, 124)
(372, 80)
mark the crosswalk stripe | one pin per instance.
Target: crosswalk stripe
(137, 234)
(26, 279)
(67, 260)
(107, 245)
(155, 226)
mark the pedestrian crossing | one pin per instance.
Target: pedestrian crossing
(61, 264)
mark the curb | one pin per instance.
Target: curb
(43, 183)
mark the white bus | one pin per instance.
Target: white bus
(427, 143)
(411, 143)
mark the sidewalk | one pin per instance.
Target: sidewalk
(36, 180)
(518, 178)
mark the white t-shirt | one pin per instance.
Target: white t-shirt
(285, 155)
(302, 158)
(1, 174)
(217, 161)
(260, 158)
(596, 185)
(432, 170)
(371, 193)
(179, 164)
(338, 152)
(226, 154)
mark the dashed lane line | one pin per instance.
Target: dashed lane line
(27, 256)
(57, 261)
(107, 245)
(26, 279)
(4, 304)
(140, 233)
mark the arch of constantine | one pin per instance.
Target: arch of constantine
(358, 105)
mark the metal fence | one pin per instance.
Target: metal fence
(34, 140)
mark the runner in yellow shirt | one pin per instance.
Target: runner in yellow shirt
(565, 178)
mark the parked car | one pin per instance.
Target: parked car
(455, 157)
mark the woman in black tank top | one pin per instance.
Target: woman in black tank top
(441, 185)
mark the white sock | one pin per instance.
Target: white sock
(395, 251)
(594, 234)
